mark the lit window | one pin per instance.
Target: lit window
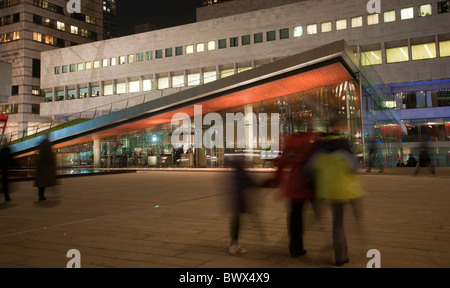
(36, 90)
(149, 55)
(194, 79)
(108, 89)
(96, 64)
(48, 39)
(178, 81)
(189, 49)
(16, 35)
(407, 13)
(326, 27)
(209, 76)
(211, 45)
(311, 29)
(147, 85)
(131, 58)
(373, 19)
(357, 22)
(80, 66)
(88, 65)
(37, 37)
(425, 10)
(341, 24)
(298, 31)
(163, 83)
(444, 48)
(397, 54)
(423, 51)
(60, 26)
(371, 58)
(389, 16)
(74, 30)
(200, 47)
(104, 62)
(226, 73)
(84, 32)
(122, 60)
(121, 88)
(113, 61)
(135, 86)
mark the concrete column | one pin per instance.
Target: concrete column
(77, 89)
(66, 93)
(97, 153)
(55, 90)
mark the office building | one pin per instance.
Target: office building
(404, 50)
(28, 27)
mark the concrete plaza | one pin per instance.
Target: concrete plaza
(179, 219)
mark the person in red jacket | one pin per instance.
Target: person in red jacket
(298, 184)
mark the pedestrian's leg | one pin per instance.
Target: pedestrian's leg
(234, 229)
(295, 229)
(41, 194)
(5, 186)
(339, 240)
(235, 249)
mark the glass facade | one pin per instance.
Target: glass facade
(303, 111)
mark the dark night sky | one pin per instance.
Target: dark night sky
(163, 14)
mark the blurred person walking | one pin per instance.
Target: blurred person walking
(336, 181)
(298, 185)
(425, 161)
(240, 203)
(6, 163)
(46, 168)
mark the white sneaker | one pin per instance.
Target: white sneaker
(237, 250)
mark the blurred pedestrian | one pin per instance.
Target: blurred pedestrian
(375, 159)
(6, 163)
(336, 181)
(298, 185)
(46, 168)
(425, 161)
(240, 203)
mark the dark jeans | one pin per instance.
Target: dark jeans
(41, 192)
(235, 226)
(295, 229)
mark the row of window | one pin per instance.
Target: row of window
(8, 3)
(10, 36)
(298, 31)
(12, 109)
(75, 30)
(35, 90)
(406, 53)
(144, 85)
(9, 19)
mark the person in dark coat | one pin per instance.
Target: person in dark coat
(6, 163)
(46, 168)
(239, 203)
